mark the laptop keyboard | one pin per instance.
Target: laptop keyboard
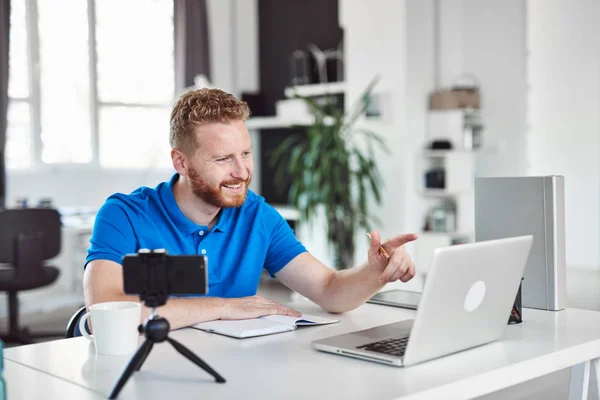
(394, 346)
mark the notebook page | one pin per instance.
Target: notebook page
(305, 319)
(244, 328)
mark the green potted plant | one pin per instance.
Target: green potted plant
(333, 167)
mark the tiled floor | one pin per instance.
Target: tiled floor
(583, 289)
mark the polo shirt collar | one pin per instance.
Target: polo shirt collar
(184, 225)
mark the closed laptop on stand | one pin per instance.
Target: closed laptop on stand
(515, 206)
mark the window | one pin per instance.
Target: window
(102, 86)
(18, 140)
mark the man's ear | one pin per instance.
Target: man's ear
(180, 162)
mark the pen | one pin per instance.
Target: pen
(381, 249)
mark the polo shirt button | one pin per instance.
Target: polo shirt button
(201, 233)
(203, 251)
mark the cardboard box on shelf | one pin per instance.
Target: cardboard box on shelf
(447, 99)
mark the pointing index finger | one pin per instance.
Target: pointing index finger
(400, 240)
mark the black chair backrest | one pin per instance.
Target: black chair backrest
(29, 234)
(72, 329)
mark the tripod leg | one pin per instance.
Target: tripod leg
(144, 356)
(140, 355)
(195, 359)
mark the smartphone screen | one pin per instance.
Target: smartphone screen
(178, 275)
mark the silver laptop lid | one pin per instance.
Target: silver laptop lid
(467, 297)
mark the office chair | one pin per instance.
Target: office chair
(28, 237)
(73, 324)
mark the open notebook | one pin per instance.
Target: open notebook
(266, 325)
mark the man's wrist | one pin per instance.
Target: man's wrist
(373, 273)
(217, 306)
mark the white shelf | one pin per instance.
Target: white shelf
(435, 153)
(288, 212)
(318, 89)
(445, 153)
(274, 122)
(437, 193)
(430, 153)
(447, 234)
(458, 170)
(278, 122)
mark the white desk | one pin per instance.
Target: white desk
(285, 366)
(24, 383)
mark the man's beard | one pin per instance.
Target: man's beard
(214, 195)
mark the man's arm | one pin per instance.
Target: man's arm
(345, 290)
(103, 281)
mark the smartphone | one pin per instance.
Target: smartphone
(397, 298)
(181, 274)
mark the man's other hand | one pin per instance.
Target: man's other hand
(254, 307)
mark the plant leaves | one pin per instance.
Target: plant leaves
(329, 170)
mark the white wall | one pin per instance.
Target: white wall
(487, 38)
(494, 50)
(366, 57)
(537, 62)
(220, 16)
(552, 128)
(564, 105)
(484, 38)
(233, 26)
(389, 21)
(78, 187)
(422, 74)
(247, 46)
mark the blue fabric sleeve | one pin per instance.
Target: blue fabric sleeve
(283, 246)
(113, 235)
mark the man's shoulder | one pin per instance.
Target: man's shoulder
(141, 194)
(257, 206)
(256, 203)
(140, 198)
(253, 199)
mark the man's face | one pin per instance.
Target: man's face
(221, 167)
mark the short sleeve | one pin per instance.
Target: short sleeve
(112, 236)
(283, 245)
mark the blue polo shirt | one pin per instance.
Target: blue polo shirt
(245, 239)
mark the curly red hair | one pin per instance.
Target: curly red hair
(201, 107)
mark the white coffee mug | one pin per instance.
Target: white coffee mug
(115, 325)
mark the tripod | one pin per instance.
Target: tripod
(156, 330)
(154, 275)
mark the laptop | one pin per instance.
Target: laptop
(466, 302)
